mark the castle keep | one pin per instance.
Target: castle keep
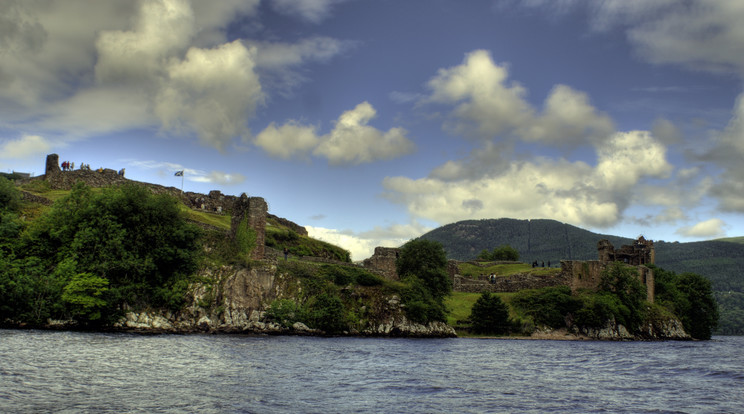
(587, 274)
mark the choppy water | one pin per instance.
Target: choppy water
(70, 372)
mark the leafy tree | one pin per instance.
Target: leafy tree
(83, 294)
(622, 282)
(426, 260)
(547, 306)
(505, 252)
(137, 241)
(489, 315)
(326, 313)
(699, 311)
(10, 197)
(422, 265)
(690, 297)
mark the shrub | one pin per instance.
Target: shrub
(547, 306)
(285, 312)
(326, 312)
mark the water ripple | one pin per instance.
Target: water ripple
(69, 372)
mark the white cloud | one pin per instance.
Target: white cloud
(313, 11)
(572, 192)
(212, 92)
(709, 229)
(671, 215)
(351, 141)
(26, 147)
(220, 178)
(162, 30)
(486, 106)
(728, 153)
(362, 245)
(568, 119)
(287, 141)
(168, 169)
(702, 34)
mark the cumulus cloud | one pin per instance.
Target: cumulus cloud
(212, 92)
(25, 147)
(709, 228)
(160, 63)
(573, 192)
(568, 119)
(288, 140)
(486, 106)
(362, 244)
(351, 141)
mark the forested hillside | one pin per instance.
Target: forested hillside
(549, 241)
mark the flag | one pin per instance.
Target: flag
(179, 173)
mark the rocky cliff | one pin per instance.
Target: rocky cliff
(235, 300)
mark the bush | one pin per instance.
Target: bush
(547, 306)
(285, 312)
(489, 315)
(326, 312)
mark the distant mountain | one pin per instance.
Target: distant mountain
(721, 261)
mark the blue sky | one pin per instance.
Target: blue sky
(372, 122)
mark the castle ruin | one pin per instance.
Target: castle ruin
(586, 274)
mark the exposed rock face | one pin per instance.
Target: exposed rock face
(237, 301)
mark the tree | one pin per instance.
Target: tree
(10, 197)
(422, 265)
(698, 311)
(426, 260)
(489, 315)
(137, 241)
(505, 252)
(622, 282)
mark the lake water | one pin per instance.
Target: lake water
(72, 372)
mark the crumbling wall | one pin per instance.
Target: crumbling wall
(512, 283)
(383, 262)
(253, 209)
(586, 274)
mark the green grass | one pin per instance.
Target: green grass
(471, 270)
(215, 220)
(739, 240)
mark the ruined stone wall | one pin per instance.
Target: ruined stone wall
(383, 262)
(513, 283)
(253, 209)
(587, 275)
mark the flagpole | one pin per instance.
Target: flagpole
(182, 181)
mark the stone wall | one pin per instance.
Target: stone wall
(383, 262)
(512, 283)
(586, 274)
(253, 209)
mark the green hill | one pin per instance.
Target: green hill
(721, 261)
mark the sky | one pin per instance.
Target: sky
(371, 122)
